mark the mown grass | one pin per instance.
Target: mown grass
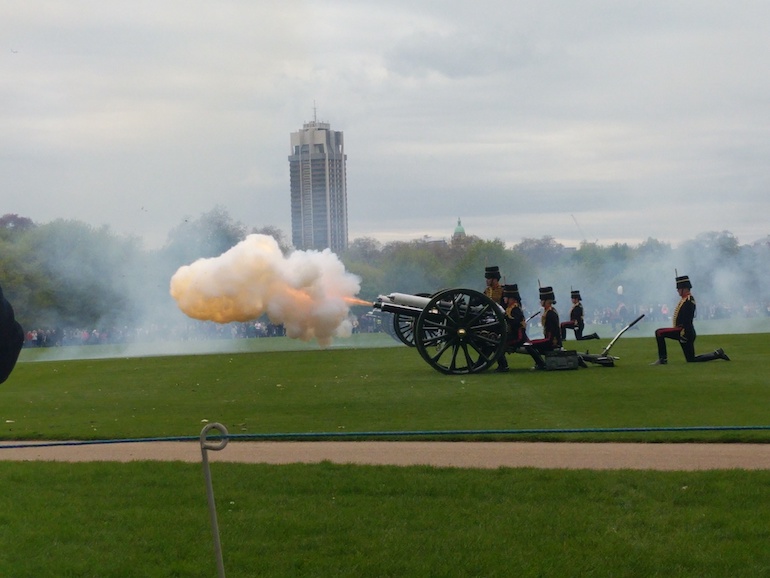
(150, 519)
(118, 520)
(387, 389)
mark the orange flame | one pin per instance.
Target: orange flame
(355, 301)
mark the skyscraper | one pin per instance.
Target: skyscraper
(319, 196)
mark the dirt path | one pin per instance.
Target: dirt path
(445, 454)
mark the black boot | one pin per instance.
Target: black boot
(720, 353)
(535, 354)
(502, 364)
(717, 354)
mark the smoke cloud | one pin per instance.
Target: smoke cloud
(307, 291)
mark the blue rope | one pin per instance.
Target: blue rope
(386, 434)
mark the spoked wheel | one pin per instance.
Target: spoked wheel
(403, 326)
(461, 331)
(403, 329)
(386, 322)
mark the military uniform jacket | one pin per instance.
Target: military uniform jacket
(684, 315)
(495, 294)
(576, 315)
(551, 328)
(517, 325)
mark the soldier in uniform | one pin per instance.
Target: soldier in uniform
(11, 338)
(576, 322)
(517, 325)
(495, 292)
(683, 329)
(514, 316)
(551, 328)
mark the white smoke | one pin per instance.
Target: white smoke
(308, 291)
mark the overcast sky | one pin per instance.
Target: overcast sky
(593, 120)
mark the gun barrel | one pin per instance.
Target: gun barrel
(413, 305)
(404, 310)
(404, 299)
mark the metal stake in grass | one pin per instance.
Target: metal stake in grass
(217, 445)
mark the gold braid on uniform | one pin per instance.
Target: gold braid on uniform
(494, 293)
(676, 310)
(679, 306)
(542, 317)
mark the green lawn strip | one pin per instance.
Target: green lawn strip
(150, 519)
(375, 390)
(387, 389)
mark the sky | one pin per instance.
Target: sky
(600, 121)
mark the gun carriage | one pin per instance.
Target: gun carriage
(455, 331)
(460, 331)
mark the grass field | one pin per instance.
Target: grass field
(366, 389)
(149, 519)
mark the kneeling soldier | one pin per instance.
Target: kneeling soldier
(576, 322)
(683, 330)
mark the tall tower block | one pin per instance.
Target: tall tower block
(319, 196)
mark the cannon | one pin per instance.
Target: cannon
(404, 309)
(456, 331)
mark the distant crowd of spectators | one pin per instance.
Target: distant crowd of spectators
(191, 331)
(616, 317)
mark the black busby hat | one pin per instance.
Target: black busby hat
(511, 291)
(492, 272)
(575, 294)
(683, 282)
(546, 294)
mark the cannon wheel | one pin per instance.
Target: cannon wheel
(461, 331)
(403, 326)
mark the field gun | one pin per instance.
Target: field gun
(459, 331)
(456, 331)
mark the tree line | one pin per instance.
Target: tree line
(67, 273)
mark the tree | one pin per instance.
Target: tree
(75, 275)
(13, 222)
(466, 269)
(12, 226)
(543, 252)
(723, 242)
(415, 266)
(653, 248)
(209, 235)
(365, 249)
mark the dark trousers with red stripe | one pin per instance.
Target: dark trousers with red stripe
(688, 345)
(537, 347)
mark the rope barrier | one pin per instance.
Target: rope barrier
(390, 434)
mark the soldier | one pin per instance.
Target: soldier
(495, 292)
(683, 330)
(514, 316)
(551, 328)
(576, 322)
(11, 338)
(517, 325)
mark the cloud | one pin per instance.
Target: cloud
(468, 109)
